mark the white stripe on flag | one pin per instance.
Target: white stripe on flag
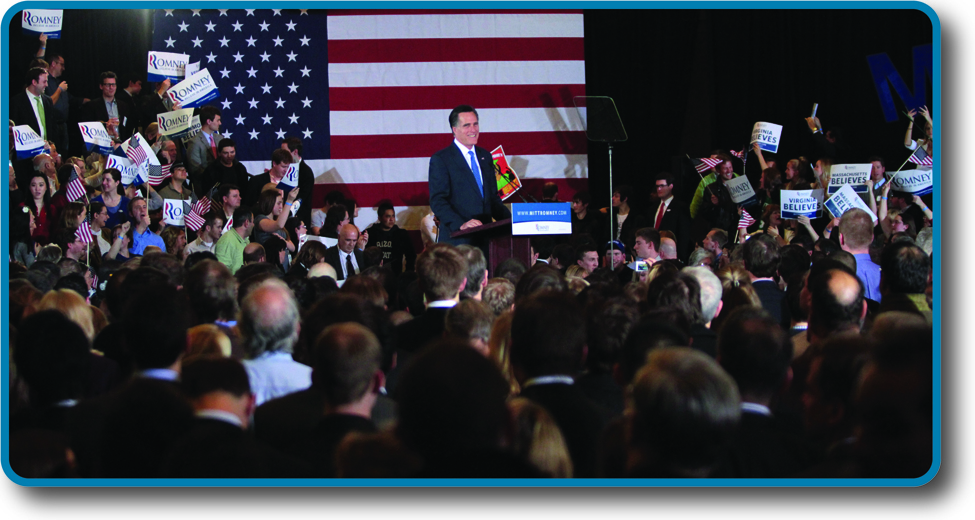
(425, 26)
(428, 74)
(398, 122)
(416, 169)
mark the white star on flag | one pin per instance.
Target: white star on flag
(169, 12)
(237, 26)
(306, 103)
(253, 103)
(291, 56)
(223, 12)
(294, 118)
(280, 134)
(250, 12)
(238, 57)
(304, 40)
(211, 57)
(169, 42)
(225, 73)
(253, 134)
(266, 88)
(196, 12)
(291, 25)
(277, 12)
(197, 42)
(305, 72)
(223, 41)
(278, 72)
(307, 133)
(226, 104)
(277, 41)
(210, 26)
(239, 88)
(240, 119)
(264, 26)
(279, 103)
(250, 41)
(293, 88)
(265, 57)
(251, 73)
(183, 26)
(267, 119)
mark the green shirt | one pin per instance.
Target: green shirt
(230, 250)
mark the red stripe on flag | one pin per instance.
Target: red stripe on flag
(421, 145)
(369, 195)
(377, 12)
(454, 50)
(447, 97)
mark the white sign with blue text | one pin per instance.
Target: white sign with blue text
(916, 182)
(96, 137)
(194, 91)
(167, 65)
(741, 191)
(844, 200)
(852, 175)
(807, 203)
(173, 212)
(176, 124)
(26, 142)
(46, 21)
(541, 218)
(767, 135)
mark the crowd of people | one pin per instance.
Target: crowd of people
(675, 339)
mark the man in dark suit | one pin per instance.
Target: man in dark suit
(306, 178)
(756, 352)
(217, 444)
(117, 114)
(761, 256)
(670, 214)
(344, 257)
(24, 110)
(463, 191)
(548, 341)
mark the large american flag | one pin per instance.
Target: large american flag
(369, 92)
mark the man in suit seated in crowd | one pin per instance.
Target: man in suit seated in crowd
(684, 412)
(548, 340)
(218, 445)
(348, 371)
(344, 257)
(904, 276)
(442, 272)
(756, 352)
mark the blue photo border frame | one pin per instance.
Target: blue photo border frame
(937, 433)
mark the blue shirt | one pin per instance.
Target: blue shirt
(869, 273)
(147, 238)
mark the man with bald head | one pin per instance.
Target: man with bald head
(269, 324)
(836, 302)
(344, 257)
(322, 269)
(44, 163)
(254, 253)
(856, 233)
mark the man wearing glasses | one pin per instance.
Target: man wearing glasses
(671, 214)
(115, 113)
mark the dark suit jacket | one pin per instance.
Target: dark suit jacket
(578, 418)
(332, 257)
(770, 295)
(676, 219)
(217, 449)
(306, 187)
(763, 448)
(454, 195)
(22, 112)
(95, 110)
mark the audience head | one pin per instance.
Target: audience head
(269, 319)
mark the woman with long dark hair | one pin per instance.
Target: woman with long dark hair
(38, 202)
(113, 197)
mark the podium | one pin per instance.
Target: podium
(501, 244)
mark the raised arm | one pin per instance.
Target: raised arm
(761, 159)
(924, 207)
(908, 141)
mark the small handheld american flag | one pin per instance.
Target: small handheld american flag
(75, 189)
(920, 157)
(84, 233)
(706, 163)
(740, 155)
(745, 220)
(194, 220)
(158, 174)
(135, 151)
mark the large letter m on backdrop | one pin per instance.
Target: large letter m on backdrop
(885, 75)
